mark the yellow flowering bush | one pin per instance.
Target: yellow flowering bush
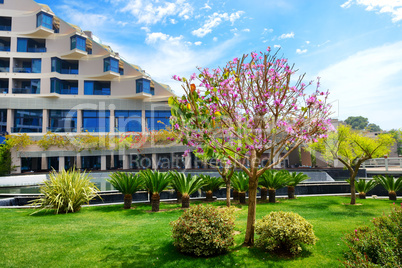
(204, 231)
(284, 231)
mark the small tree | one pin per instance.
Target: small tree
(186, 185)
(155, 182)
(212, 184)
(249, 107)
(273, 180)
(241, 185)
(294, 179)
(127, 184)
(352, 148)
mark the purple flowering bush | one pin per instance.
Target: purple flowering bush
(204, 231)
(378, 246)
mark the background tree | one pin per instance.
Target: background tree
(357, 122)
(249, 107)
(373, 128)
(352, 148)
(397, 134)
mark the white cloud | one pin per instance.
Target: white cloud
(347, 4)
(246, 30)
(215, 39)
(198, 43)
(85, 20)
(146, 29)
(173, 21)
(206, 6)
(288, 35)
(214, 20)
(307, 42)
(301, 51)
(277, 46)
(152, 12)
(152, 38)
(394, 7)
(369, 84)
(267, 31)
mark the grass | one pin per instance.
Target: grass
(109, 236)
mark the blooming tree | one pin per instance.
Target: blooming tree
(352, 148)
(249, 107)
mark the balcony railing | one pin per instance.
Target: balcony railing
(36, 49)
(5, 48)
(4, 69)
(4, 90)
(27, 129)
(69, 91)
(25, 91)
(22, 70)
(69, 71)
(5, 27)
(62, 129)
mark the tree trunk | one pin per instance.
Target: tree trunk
(252, 201)
(235, 194)
(264, 193)
(291, 192)
(392, 195)
(242, 198)
(352, 190)
(362, 195)
(271, 194)
(228, 193)
(128, 198)
(155, 200)
(179, 196)
(209, 196)
(185, 201)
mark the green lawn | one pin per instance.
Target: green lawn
(109, 236)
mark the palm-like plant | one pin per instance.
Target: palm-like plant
(186, 185)
(272, 180)
(240, 184)
(211, 184)
(127, 184)
(294, 179)
(363, 186)
(66, 191)
(155, 182)
(391, 184)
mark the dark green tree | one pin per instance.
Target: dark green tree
(373, 128)
(357, 122)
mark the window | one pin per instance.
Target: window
(5, 44)
(1, 1)
(5, 23)
(3, 86)
(91, 162)
(27, 86)
(95, 121)
(4, 65)
(96, 88)
(63, 86)
(144, 85)
(27, 121)
(157, 120)
(64, 66)
(31, 45)
(128, 121)
(62, 121)
(27, 65)
(45, 20)
(78, 42)
(3, 120)
(110, 64)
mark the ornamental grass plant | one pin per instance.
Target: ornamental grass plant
(66, 191)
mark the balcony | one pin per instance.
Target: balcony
(63, 87)
(26, 86)
(78, 47)
(27, 66)
(5, 44)
(64, 66)
(26, 129)
(5, 24)
(31, 45)
(4, 65)
(145, 86)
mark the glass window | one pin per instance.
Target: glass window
(3, 119)
(45, 20)
(27, 86)
(144, 85)
(111, 64)
(157, 120)
(5, 43)
(4, 86)
(128, 120)
(5, 23)
(63, 86)
(31, 45)
(36, 65)
(95, 121)
(78, 42)
(96, 88)
(91, 162)
(62, 121)
(27, 121)
(1, 1)
(64, 66)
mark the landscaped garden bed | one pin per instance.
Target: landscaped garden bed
(109, 236)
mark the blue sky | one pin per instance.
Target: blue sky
(355, 46)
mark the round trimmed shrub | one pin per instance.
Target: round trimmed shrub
(204, 231)
(284, 231)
